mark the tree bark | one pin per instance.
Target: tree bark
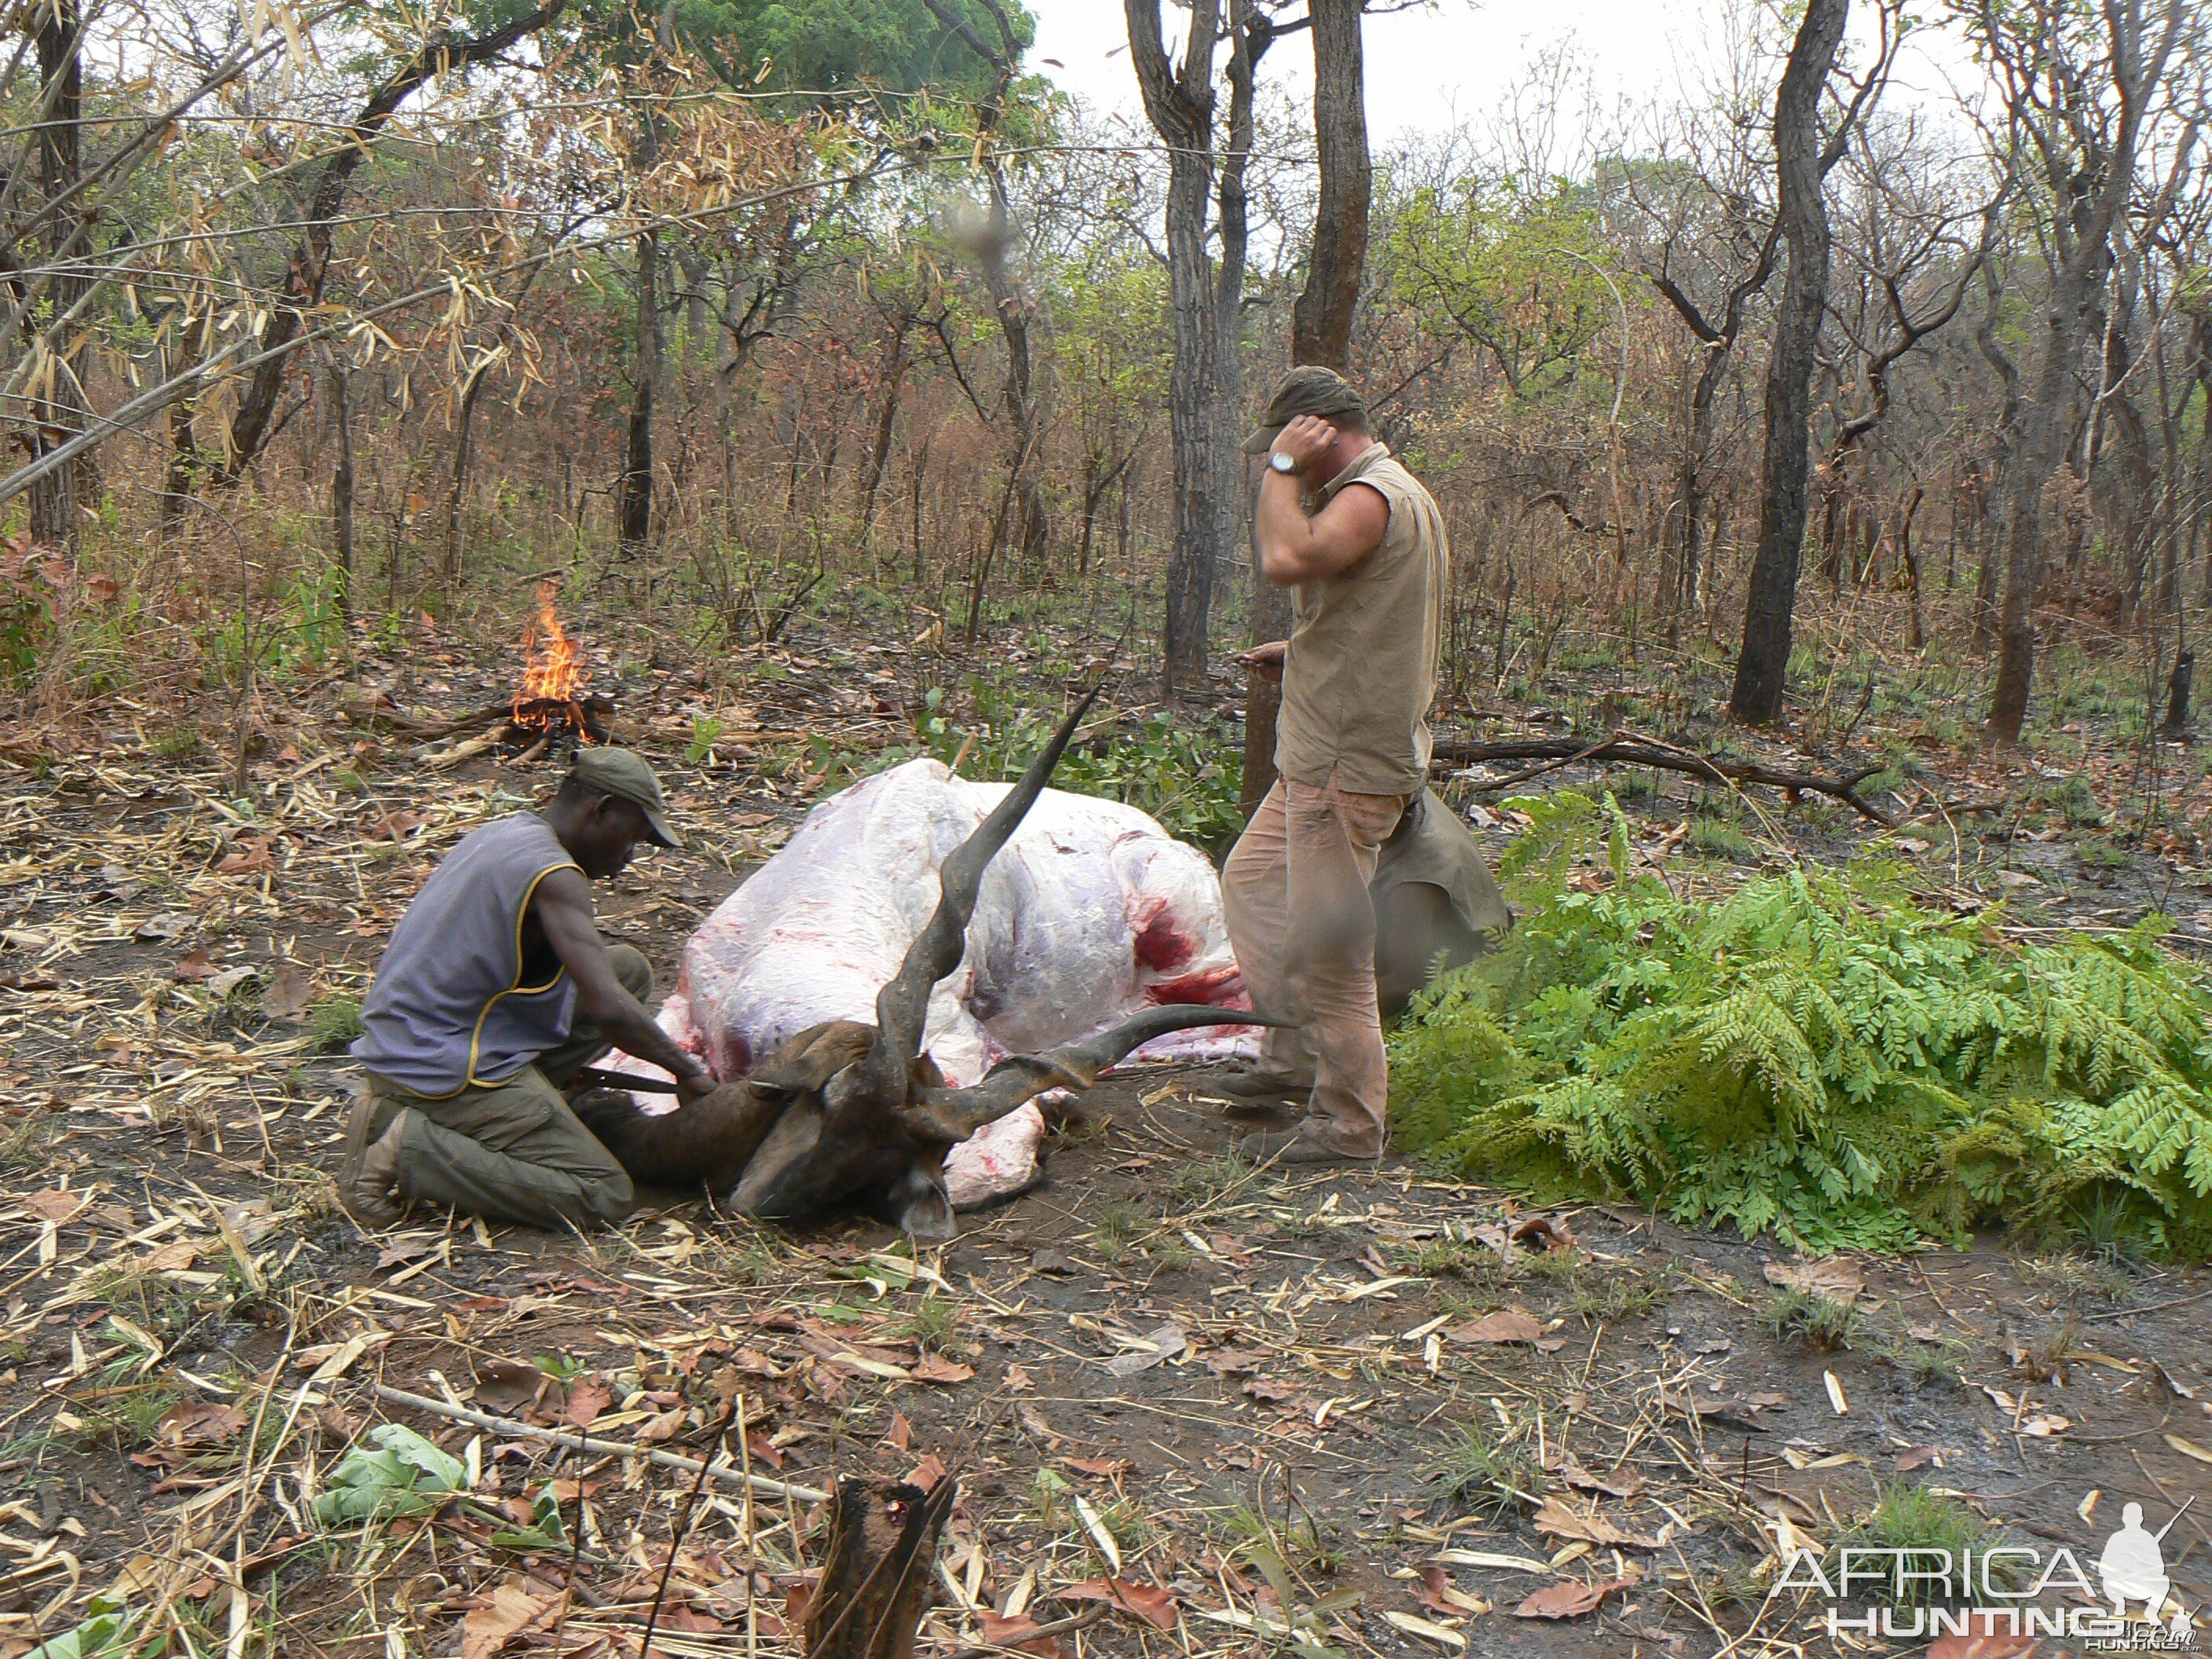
(1763, 666)
(875, 1583)
(309, 266)
(59, 414)
(633, 511)
(2089, 144)
(342, 483)
(1179, 100)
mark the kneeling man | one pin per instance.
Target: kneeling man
(494, 989)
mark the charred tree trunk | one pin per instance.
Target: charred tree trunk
(875, 1583)
(309, 265)
(1321, 321)
(342, 483)
(1762, 668)
(1179, 100)
(634, 503)
(886, 424)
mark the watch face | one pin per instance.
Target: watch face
(1282, 463)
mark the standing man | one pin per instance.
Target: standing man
(1363, 546)
(471, 1023)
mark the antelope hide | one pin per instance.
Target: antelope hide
(1089, 914)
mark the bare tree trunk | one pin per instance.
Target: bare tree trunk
(1180, 100)
(60, 415)
(879, 450)
(342, 482)
(633, 511)
(2089, 144)
(1762, 668)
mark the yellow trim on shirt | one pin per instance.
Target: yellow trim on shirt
(476, 1036)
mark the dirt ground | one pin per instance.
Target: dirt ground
(1383, 1410)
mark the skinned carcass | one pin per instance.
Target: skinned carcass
(1094, 914)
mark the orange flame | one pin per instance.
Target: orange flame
(552, 671)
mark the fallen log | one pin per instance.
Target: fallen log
(381, 711)
(1623, 750)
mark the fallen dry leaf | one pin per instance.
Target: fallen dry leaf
(55, 1205)
(1915, 1457)
(252, 857)
(171, 1258)
(194, 966)
(925, 1475)
(1569, 1600)
(900, 1435)
(587, 1398)
(1018, 1633)
(2189, 1448)
(935, 1367)
(666, 1425)
(1155, 1606)
(1507, 1325)
(510, 1611)
(1555, 1518)
(1105, 1467)
(291, 990)
(1832, 1278)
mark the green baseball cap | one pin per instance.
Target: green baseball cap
(624, 776)
(1309, 389)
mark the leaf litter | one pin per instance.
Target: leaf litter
(1268, 1430)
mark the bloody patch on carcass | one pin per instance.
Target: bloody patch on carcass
(1215, 987)
(1163, 946)
(736, 1059)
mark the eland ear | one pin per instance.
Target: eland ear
(801, 1064)
(917, 1203)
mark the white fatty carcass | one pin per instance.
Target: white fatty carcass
(1091, 912)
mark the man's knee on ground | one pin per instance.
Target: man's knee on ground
(632, 970)
(609, 1198)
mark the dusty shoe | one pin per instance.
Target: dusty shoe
(1252, 1091)
(1303, 1145)
(371, 1168)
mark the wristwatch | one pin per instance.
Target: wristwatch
(1281, 462)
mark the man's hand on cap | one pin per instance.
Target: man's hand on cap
(1305, 439)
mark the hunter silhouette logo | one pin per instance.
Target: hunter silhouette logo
(2133, 1566)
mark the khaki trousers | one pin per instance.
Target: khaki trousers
(1304, 929)
(514, 1152)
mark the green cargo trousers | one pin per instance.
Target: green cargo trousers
(514, 1152)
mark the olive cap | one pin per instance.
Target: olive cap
(624, 776)
(1309, 389)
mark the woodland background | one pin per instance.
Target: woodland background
(729, 312)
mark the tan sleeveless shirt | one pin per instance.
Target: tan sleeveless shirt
(1362, 668)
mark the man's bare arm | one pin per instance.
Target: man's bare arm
(1294, 548)
(563, 904)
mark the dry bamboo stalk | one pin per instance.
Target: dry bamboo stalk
(732, 1476)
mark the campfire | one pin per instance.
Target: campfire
(552, 710)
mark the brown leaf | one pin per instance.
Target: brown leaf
(1149, 1602)
(900, 1435)
(1034, 1421)
(587, 1398)
(935, 1367)
(512, 1389)
(1569, 1599)
(291, 990)
(194, 966)
(29, 981)
(55, 1205)
(1831, 1278)
(1508, 1325)
(1011, 1633)
(1268, 1392)
(395, 826)
(765, 1451)
(511, 1610)
(1914, 1457)
(1540, 1232)
(171, 1258)
(796, 1595)
(201, 1423)
(665, 1426)
(1105, 1467)
(1554, 1517)
(1234, 1362)
(926, 1474)
(252, 857)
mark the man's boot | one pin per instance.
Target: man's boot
(371, 1168)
